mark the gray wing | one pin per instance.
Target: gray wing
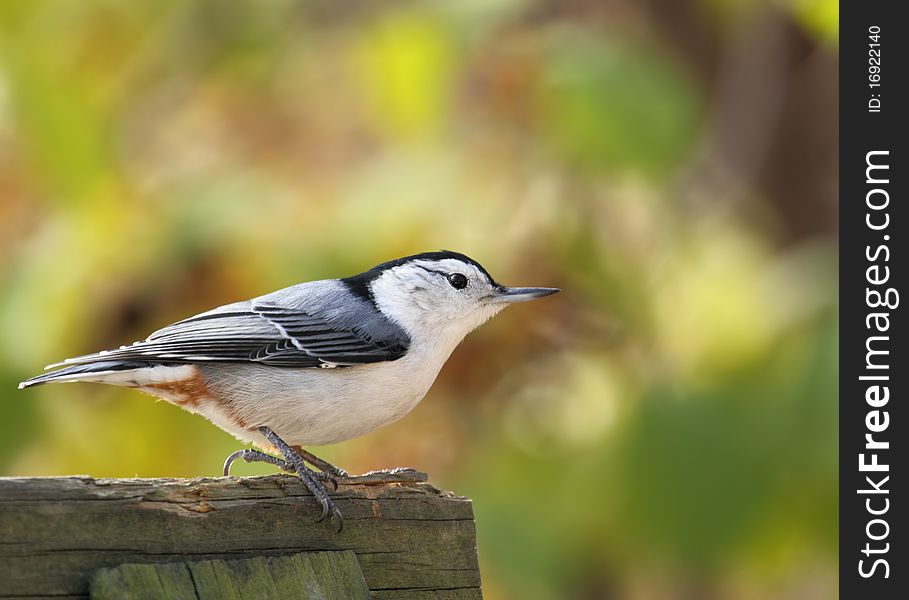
(310, 325)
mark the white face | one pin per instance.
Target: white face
(438, 297)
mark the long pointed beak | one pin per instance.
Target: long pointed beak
(511, 295)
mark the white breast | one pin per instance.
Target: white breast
(320, 406)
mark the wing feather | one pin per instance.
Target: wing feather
(266, 333)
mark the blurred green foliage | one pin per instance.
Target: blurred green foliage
(664, 428)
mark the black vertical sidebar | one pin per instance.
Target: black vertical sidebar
(874, 53)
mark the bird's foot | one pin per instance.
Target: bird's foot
(310, 479)
(328, 479)
(249, 455)
(323, 465)
(328, 473)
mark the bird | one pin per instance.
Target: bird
(316, 363)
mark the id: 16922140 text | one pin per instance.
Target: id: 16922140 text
(874, 68)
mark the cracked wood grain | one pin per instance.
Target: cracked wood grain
(309, 575)
(411, 540)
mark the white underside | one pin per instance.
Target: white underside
(315, 406)
(303, 406)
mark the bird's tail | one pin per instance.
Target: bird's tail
(113, 372)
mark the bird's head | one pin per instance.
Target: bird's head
(439, 293)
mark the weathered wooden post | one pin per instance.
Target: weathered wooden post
(251, 537)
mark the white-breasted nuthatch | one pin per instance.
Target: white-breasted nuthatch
(316, 363)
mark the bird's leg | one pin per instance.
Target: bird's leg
(250, 455)
(323, 465)
(328, 473)
(309, 478)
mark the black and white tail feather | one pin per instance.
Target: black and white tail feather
(107, 371)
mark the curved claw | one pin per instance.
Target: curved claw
(230, 460)
(331, 511)
(337, 513)
(325, 504)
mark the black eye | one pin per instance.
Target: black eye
(457, 281)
